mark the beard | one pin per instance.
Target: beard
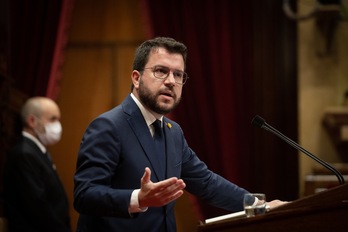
(149, 99)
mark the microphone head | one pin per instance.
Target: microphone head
(258, 121)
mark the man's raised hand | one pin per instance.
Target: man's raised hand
(160, 193)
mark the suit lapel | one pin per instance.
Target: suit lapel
(171, 150)
(142, 132)
(44, 157)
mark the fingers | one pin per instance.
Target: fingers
(165, 199)
(168, 190)
(146, 177)
(160, 193)
(170, 187)
(162, 184)
(168, 183)
(171, 192)
(275, 203)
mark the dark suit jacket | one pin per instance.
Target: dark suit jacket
(115, 149)
(35, 199)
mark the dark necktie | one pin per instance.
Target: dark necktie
(49, 159)
(160, 144)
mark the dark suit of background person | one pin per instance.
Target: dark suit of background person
(118, 145)
(35, 200)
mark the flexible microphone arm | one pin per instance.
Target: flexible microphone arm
(260, 122)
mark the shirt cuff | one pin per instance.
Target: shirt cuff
(134, 203)
(255, 202)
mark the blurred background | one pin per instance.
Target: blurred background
(286, 61)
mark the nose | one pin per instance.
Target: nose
(170, 79)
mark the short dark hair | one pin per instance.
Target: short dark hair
(141, 56)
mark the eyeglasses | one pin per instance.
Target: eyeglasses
(162, 72)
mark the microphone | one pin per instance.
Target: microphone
(260, 122)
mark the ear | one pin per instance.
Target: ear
(136, 78)
(31, 121)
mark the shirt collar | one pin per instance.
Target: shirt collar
(35, 140)
(148, 116)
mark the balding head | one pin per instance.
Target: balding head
(39, 108)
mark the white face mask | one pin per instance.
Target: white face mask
(52, 134)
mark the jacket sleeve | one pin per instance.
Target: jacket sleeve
(209, 186)
(97, 162)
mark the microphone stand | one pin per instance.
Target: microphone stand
(260, 122)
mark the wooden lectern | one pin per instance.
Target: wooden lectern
(321, 212)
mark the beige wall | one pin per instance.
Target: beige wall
(322, 81)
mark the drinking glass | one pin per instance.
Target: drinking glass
(254, 204)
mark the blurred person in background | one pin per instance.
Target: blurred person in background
(35, 199)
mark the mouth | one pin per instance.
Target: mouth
(167, 93)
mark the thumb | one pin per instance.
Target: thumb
(146, 177)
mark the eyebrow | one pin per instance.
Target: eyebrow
(163, 66)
